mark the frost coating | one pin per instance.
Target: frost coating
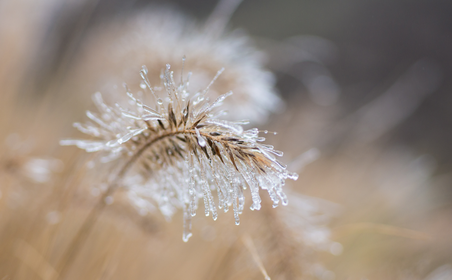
(181, 153)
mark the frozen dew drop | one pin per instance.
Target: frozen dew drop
(201, 140)
(186, 236)
(144, 69)
(143, 85)
(293, 176)
(159, 101)
(187, 225)
(284, 200)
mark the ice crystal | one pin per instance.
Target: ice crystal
(182, 152)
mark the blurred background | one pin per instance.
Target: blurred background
(365, 120)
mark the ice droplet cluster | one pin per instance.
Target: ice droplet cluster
(182, 152)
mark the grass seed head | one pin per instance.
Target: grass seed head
(181, 151)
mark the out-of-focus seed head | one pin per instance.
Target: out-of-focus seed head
(116, 49)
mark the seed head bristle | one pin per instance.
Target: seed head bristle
(182, 152)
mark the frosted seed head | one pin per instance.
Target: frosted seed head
(184, 152)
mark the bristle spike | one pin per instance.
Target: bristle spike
(183, 153)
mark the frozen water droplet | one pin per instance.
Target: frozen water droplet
(168, 67)
(143, 85)
(293, 176)
(201, 140)
(186, 236)
(284, 200)
(144, 69)
(159, 101)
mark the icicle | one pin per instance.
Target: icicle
(218, 102)
(94, 118)
(187, 225)
(237, 129)
(235, 207)
(90, 130)
(144, 76)
(211, 82)
(191, 186)
(89, 146)
(131, 116)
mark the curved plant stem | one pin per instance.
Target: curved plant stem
(82, 234)
(84, 231)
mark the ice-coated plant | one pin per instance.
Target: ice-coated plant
(176, 150)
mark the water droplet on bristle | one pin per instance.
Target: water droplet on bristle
(186, 236)
(201, 140)
(144, 69)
